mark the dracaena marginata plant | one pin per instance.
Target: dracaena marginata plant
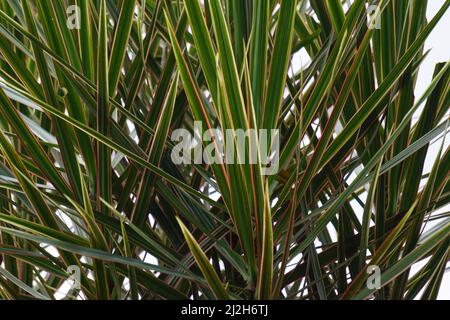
(95, 205)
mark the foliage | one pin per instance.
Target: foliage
(87, 178)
